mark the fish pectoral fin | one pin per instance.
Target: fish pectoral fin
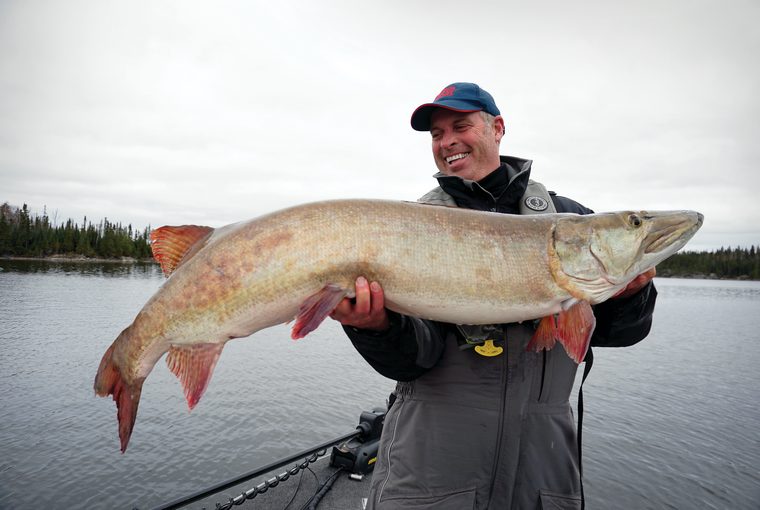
(545, 335)
(316, 308)
(193, 366)
(574, 329)
(173, 245)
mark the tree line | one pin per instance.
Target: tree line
(23, 234)
(733, 263)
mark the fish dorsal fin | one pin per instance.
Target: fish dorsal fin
(193, 366)
(173, 245)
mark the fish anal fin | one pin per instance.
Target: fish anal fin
(574, 329)
(109, 381)
(173, 245)
(316, 308)
(193, 365)
(544, 336)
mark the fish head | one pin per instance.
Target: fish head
(597, 255)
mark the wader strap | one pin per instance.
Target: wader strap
(589, 359)
(536, 200)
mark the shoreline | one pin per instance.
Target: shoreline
(81, 258)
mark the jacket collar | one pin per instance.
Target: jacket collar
(505, 186)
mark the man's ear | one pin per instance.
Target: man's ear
(498, 126)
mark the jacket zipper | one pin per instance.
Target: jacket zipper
(502, 407)
(390, 447)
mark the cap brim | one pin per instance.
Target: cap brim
(421, 116)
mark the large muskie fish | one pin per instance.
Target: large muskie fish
(446, 264)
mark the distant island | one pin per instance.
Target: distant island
(26, 235)
(33, 236)
(724, 264)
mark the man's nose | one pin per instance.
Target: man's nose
(448, 139)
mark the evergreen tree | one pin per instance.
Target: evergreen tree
(5, 234)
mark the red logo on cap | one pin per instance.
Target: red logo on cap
(448, 91)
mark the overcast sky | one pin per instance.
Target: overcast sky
(155, 112)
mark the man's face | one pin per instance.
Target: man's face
(464, 145)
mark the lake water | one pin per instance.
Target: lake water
(670, 423)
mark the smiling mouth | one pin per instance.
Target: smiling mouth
(456, 157)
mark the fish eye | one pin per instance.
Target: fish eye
(635, 220)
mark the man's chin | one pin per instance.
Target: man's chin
(458, 168)
(465, 172)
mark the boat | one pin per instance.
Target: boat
(333, 475)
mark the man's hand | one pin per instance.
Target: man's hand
(636, 284)
(366, 311)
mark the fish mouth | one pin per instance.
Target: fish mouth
(672, 232)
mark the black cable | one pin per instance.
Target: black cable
(317, 497)
(298, 487)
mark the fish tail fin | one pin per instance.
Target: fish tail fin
(109, 381)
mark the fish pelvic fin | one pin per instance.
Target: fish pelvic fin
(316, 308)
(173, 245)
(109, 381)
(572, 328)
(545, 335)
(193, 365)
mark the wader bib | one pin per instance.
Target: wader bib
(479, 431)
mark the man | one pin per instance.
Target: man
(477, 421)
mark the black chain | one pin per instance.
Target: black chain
(272, 482)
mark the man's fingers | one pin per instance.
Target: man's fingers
(342, 310)
(362, 296)
(643, 278)
(377, 297)
(366, 310)
(637, 283)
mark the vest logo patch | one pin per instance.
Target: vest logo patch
(536, 203)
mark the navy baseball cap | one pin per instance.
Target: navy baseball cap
(459, 97)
